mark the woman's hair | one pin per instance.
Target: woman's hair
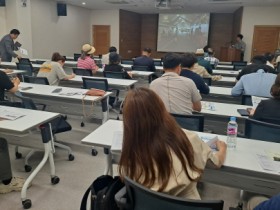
(150, 135)
(114, 58)
(275, 89)
(84, 55)
(57, 57)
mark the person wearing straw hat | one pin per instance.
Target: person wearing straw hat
(85, 61)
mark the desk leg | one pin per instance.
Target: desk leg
(105, 109)
(108, 166)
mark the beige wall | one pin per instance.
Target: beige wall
(107, 17)
(257, 16)
(3, 29)
(52, 33)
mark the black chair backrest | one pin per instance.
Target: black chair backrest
(115, 75)
(24, 61)
(246, 100)
(101, 84)
(126, 61)
(193, 122)
(207, 80)
(36, 80)
(27, 103)
(27, 67)
(140, 68)
(82, 72)
(237, 65)
(264, 131)
(278, 67)
(143, 198)
(39, 62)
(76, 56)
(157, 62)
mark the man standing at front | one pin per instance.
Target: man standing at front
(179, 94)
(8, 46)
(240, 45)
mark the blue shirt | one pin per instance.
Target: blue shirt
(254, 84)
(197, 79)
(271, 204)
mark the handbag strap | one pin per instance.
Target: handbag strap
(84, 200)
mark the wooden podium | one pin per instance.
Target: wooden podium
(230, 54)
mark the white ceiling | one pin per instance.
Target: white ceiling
(176, 6)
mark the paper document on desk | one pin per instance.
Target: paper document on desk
(117, 142)
(23, 51)
(9, 115)
(256, 100)
(268, 163)
(210, 140)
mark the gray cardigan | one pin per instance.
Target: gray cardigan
(7, 48)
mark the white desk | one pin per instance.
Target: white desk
(225, 63)
(226, 72)
(13, 64)
(127, 83)
(226, 79)
(240, 170)
(134, 73)
(220, 90)
(22, 126)
(74, 95)
(15, 72)
(219, 66)
(129, 66)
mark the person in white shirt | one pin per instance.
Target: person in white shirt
(105, 58)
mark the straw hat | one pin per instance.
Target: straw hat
(199, 51)
(88, 49)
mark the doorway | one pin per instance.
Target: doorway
(101, 38)
(266, 39)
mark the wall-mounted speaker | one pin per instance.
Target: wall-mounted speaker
(2, 3)
(61, 9)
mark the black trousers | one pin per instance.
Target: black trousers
(242, 56)
(5, 163)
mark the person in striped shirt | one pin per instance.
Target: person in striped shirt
(85, 61)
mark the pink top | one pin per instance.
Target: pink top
(87, 63)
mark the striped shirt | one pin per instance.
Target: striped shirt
(87, 63)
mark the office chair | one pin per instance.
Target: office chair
(24, 61)
(27, 67)
(193, 122)
(82, 72)
(207, 80)
(137, 197)
(76, 56)
(237, 65)
(115, 75)
(246, 100)
(157, 63)
(59, 125)
(263, 131)
(102, 84)
(36, 80)
(127, 61)
(39, 62)
(140, 68)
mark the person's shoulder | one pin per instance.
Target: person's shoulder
(2, 73)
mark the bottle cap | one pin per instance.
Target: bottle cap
(232, 118)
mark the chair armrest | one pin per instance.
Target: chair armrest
(121, 199)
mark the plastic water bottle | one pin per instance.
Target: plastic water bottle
(231, 133)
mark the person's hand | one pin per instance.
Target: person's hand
(129, 73)
(252, 112)
(16, 80)
(18, 57)
(8, 71)
(73, 75)
(221, 145)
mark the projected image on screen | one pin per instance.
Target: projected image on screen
(182, 32)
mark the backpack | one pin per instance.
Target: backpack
(103, 190)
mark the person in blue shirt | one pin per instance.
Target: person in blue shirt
(145, 60)
(263, 203)
(187, 64)
(255, 84)
(200, 58)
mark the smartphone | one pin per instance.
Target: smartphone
(26, 88)
(57, 90)
(243, 112)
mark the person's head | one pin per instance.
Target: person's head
(112, 49)
(87, 50)
(199, 52)
(147, 52)
(14, 33)
(275, 89)
(56, 57)
(156, 132)
(172, 63)
(269, 57)
(258, 59)
(188, 60)
(239, 37)
(206, 48)
(114, 58)
(211, 52)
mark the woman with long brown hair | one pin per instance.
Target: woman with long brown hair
(157, 153)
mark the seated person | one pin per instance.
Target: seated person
(105, 58)
(263, 203)
(211, 58)
(257, 62)
(254, 84)
(114, 65)
(266, 110)
(53, 70)
(174, 158)
(85, 61)
(179, 94)
(145, 60)
(7, 84)
(270, 58)
(200, 70)
(187, 63)
(200, 57)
